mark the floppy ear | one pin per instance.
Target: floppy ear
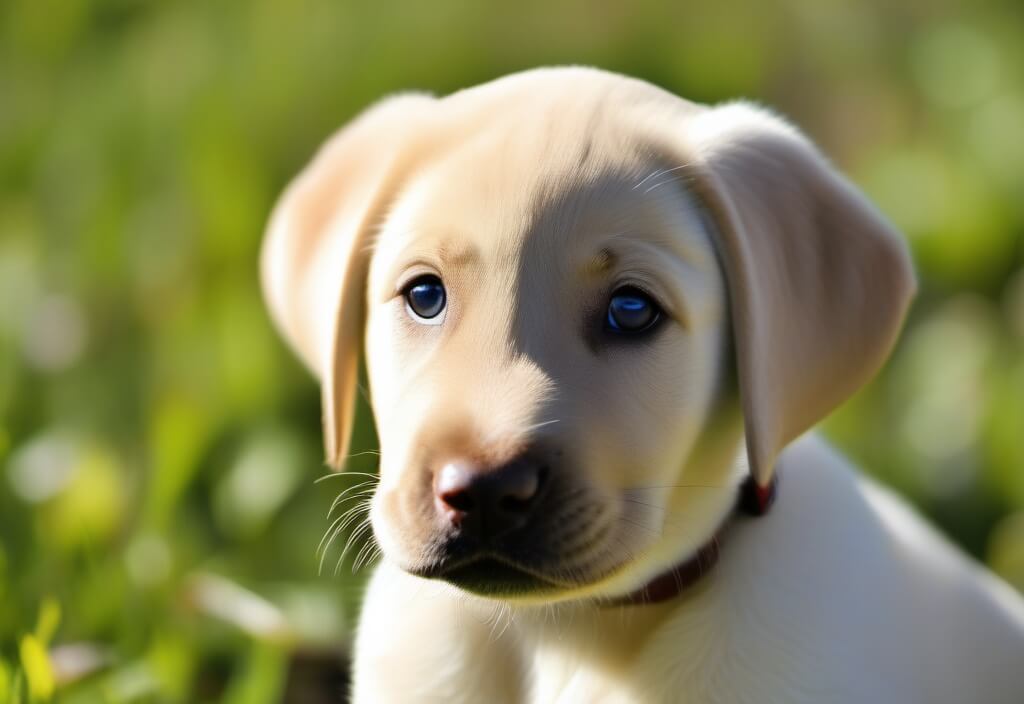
(316, 252)
(819, 282)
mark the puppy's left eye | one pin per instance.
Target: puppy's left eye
(425, 299)
(631, 311)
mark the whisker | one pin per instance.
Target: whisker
(663, 182)
(354, 512)
(334, 536)
(362, 494)
(329, 532)
(508, 620)
(363, 553)
(678, 486)
(338, 527)
(630, 553)
(535, 426)
(344, 519)
(379, 553)
(357, 488)
(353, 539)
(502, 613)
(658, 173)
(347, 473)
(566, 496)
(643, 503)
(640, 525)
(359, 499)
(323, 552)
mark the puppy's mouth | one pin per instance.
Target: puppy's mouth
(536, 561)
(563, 544)
(492, 576)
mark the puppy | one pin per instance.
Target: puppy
(597, 320)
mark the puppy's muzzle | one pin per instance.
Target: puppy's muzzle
(483, 504)
(494, 524)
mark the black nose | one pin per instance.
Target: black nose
(486, 502)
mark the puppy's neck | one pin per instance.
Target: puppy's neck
(752, 500)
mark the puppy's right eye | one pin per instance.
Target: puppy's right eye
(425, 299)
(631, 312)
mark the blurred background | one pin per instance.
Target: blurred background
(159, 519)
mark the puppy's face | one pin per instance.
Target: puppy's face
(545, 346)
(540, 269)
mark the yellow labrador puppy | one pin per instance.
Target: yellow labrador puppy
(597, 319)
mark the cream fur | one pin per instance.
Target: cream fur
(531, 198)
(840, 595)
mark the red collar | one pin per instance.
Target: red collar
(753, 500)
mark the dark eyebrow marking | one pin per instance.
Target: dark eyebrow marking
(458, 255)
(603, 262)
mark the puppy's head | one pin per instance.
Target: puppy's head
(579, 295)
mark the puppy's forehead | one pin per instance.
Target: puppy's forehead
(573, 184)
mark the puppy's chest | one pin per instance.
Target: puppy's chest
(702, 653)
(558, 678)
(629, 663)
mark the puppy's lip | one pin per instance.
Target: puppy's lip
(489, 574)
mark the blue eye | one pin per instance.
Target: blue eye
(425, 299)
(631, 311)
